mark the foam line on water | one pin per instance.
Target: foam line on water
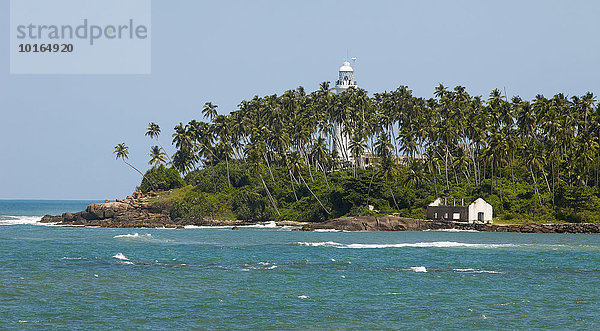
(435, 244)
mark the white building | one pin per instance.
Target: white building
(341, 141)
(478, 211)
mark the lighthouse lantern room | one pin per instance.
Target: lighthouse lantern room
(346, 77)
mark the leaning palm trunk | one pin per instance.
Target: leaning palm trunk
(143, 175)
(269, 194)
(512, 174)
(393, 197)
(319, 201)
(164, 150)
(324, 173)
(535, 185)
(446, 168)
(269, 166)
(227, 164)
(292, 181)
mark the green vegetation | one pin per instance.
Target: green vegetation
(272, 158)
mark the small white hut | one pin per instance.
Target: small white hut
(479, 211)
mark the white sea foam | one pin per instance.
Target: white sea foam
(455, 230)
(327, 230)
(74, 258)
(207, 227)
(303, 297)
(16, 220)
(418, 269)
(435, 244)
(270, 224)
(323, 243)
(134, 236)
(477, 271)
(392, 293)
(120, 256)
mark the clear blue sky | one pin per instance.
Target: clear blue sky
(57, 133)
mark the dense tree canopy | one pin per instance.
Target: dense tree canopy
(530, 159)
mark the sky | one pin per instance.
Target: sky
(57, 132)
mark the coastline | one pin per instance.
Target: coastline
(135, 212)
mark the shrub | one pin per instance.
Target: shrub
(161, 178)
(250, 205)
(195, 205)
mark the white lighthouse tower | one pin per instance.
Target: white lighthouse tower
(341, 141)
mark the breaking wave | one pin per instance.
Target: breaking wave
(418, 269)
(16, 220)
(477, 271)
(134, 236)
(436, 244)
(120, 256)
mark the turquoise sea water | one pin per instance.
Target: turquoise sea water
(274, 278)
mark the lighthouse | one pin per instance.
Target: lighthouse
(345, 78)
(341, 141)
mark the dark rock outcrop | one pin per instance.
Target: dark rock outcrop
(128, 213)
(137, 212)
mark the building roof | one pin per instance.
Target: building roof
(346, 67)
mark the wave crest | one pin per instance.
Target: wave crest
(435, 244)
(17, 220)
(133, 236)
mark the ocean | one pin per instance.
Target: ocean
(271, 277)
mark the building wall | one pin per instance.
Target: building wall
(478, 206)
(448, 213)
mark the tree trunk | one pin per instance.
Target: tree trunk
(269, 166)
(319, 201)
(143, 175)
(227, 164)
(446, 169)
(393, 197)
(535, 185)
(292, 181)
(167, 154)
(512, 174)
(269, 194)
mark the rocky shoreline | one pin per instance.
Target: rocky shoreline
(394, 223)
(137, 212)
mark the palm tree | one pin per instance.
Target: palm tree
(153, 131)
(297, 166)
(388, 171)
(254, 156)
(357, 148)
(157, 156)
(122, 152)
(210, 111)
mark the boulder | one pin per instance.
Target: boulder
(67, 217)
